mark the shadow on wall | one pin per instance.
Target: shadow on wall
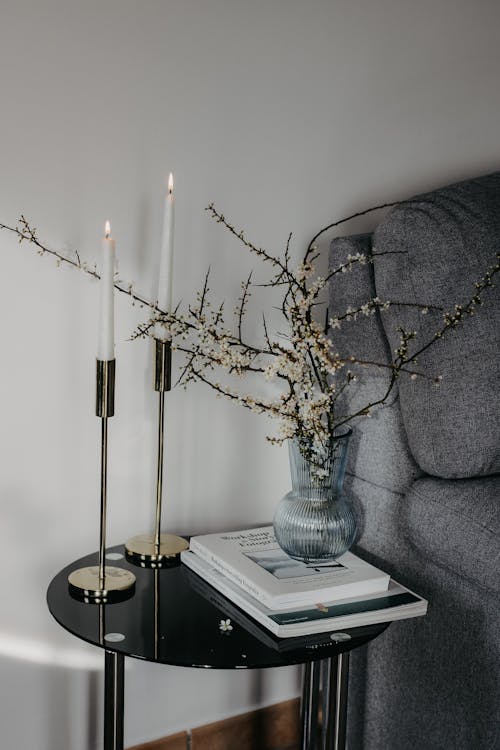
(48, 699)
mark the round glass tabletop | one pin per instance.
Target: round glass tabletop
(174, 617)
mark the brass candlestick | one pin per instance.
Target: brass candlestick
(103, 583)
(157, 550)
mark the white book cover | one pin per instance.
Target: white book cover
(396, 603)
(255, 562)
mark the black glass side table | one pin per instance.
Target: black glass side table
(167, 620)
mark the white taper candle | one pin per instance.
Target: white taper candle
(106, 345)
(166, 258)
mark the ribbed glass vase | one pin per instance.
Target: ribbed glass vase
(315, 522)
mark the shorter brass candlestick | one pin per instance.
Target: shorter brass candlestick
(158, 550)
(103, 583)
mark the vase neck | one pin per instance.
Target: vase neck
(305, 479)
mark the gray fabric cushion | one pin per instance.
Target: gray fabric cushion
(456, 523)
(432, 682)
(379, 450)
(449, 238)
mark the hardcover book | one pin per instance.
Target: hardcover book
(396, 603)
(256, 563)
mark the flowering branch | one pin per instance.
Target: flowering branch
(311, 374)
(25, 232)
(312, 244)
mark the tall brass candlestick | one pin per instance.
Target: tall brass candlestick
(103, 583)
(157, 549)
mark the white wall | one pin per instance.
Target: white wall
(287, 114)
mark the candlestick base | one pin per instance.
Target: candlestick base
(85, 584)
(142, 550)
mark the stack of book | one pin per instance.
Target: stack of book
(290, 598)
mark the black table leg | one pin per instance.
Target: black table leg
(335, 675)
(113, 700)
(310, 705)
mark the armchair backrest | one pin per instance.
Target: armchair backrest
(449, 238)
(436, 246)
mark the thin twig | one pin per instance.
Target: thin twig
(337, 223)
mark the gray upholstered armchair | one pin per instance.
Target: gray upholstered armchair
(425, 474)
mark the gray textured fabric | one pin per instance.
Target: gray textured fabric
(380, 513)
(456, 523)
(353, 289)
(378, 449)
(432, 682)
(449, 238)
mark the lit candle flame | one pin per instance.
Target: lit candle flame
(170, 183)
(107, 230)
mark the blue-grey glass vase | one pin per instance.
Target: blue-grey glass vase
(315, 522)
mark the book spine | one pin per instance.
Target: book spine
(228, 571)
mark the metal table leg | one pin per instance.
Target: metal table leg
(335, 675)
(310, 705)
(113, 700)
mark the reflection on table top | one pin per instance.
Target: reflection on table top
(168, 620)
